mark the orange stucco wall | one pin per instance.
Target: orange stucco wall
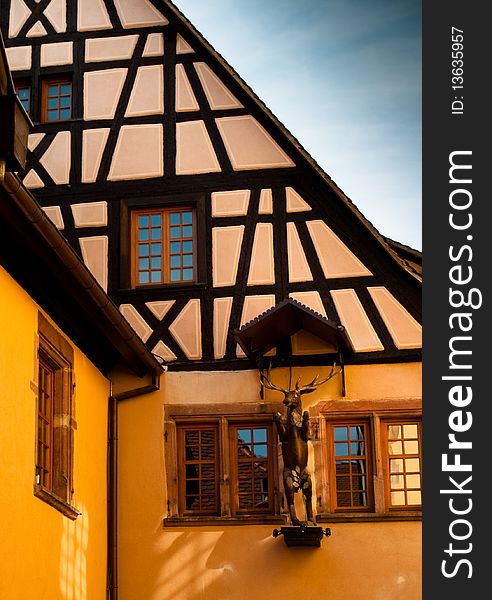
(367, 561)
(43, 554)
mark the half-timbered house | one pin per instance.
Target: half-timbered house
(226, 248)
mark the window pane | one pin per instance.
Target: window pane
(64, 114)
(394, 432)
(175, 247)
(340, 433)
(341, 449)
(260, 450)
(396, 465)
(143, 278)
(143, 250)
(175, 232)
(65, 102)
(143, 235)
(359, 499)
(52, 90)
(52, 102)
(208, 471)
(155, 277)
(143, 221)
(187, 231)
(52, 115)
(192, 471)
(156, 262)
(143, 264)
(357, 448)
(414, 498)
(358, 466)
(259, 435)
(156, 249)
(413, 481)
(244, 436)
(356, 433)
(411, 447)
(344, 499)
(175, 275)
(187, 260)
(156, 233)
(412, 465)
(156, 220)
(410, 431)
(175, 261)
(174, 218)
(207, 437)
(187, 218)
(66, 89)
(397, 482)
(395, 448)
(187, 247)
(398, 498)
(342, 467)
(192, 503)
(188, 275)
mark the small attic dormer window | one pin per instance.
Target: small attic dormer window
(163, 245)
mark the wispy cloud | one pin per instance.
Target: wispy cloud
(344, 76)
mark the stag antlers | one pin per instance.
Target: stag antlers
(305, 389)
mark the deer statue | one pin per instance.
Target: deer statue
(293, 433)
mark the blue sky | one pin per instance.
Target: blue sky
(344, 76)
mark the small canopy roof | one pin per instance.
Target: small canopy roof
(269, 329)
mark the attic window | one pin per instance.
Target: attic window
(163, 243)
(56, 100)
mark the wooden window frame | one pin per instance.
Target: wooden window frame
(228, 509)
(234, 466)
(45, 83)
(53, 481)
(367, 457)
(405, 456)
(377, 413)
(20, 85)
(183, 462)
(165, 241)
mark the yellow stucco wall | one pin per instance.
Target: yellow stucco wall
(43, 554)
(367, 561)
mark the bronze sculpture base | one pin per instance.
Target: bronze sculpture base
(302, 535)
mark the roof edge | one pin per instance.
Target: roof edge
(294, 141)
(133, 352)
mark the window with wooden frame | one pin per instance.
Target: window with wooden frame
(251, 468)
(402, 459)
(55, 421)
(163, 246)
(350, 466)
(23, 91)
(198, 460)
(56, 100)
(369, 466)
(227, 468)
